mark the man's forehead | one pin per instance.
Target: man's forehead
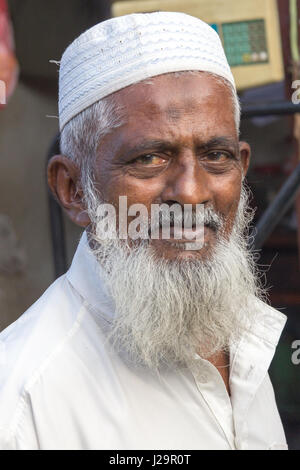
(160, 119)
(173, 95)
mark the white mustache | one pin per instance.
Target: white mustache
(188, 219)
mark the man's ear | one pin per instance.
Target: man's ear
(245, 154)
(64, 182)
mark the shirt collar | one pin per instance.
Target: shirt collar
(86, 276)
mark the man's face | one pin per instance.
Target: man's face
(178, 145)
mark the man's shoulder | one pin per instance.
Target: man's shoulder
(29, 341)
(50, 315)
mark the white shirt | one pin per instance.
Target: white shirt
(62, 387)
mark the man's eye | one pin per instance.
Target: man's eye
(150, 160)
(219, 156)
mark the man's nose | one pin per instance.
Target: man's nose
(187, 183)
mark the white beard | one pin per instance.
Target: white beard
(169, 310)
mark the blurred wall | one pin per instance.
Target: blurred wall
(42, 31)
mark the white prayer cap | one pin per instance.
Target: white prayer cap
(125, 50)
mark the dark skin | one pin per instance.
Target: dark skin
(178, 145)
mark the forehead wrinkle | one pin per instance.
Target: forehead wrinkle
(173, 113)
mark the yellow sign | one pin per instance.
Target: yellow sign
(249, 30)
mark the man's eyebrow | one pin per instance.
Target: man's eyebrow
(214, 142)
(164, 145)
(148, 145)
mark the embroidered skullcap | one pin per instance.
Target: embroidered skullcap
(125, 50)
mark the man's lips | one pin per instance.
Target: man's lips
(184, 235)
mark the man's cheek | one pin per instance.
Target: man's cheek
(228, 212)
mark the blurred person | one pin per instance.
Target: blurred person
(154, 342)
(8, 62)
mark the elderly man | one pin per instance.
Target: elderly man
(147, 342)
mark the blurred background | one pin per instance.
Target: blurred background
(37, 242)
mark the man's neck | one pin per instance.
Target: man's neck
(221, 362)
